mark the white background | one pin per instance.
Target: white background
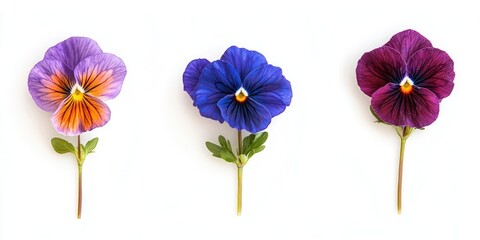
(328, 171)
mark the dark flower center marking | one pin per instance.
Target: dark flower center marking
(406, 86)
(77, 92)
(241, 95)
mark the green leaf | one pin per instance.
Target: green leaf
(260, 139)
(247, 141)
(214, 148)
(229, 146)
(61, 146)
(228, 156)
(91, 145)
(222, 141)
(83, 155)
(255, 151)
(243, 159)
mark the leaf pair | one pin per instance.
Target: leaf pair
(223, 151)
(62, 146)
(252, 144)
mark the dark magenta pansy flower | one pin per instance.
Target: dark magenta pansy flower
(243, 90)
(406, 79)
(72, 81)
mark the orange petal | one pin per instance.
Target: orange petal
(78, 114)
(101, 75)
(49, 84)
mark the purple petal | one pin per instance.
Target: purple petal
(379, 67)
(267, 86)
(408, 42)
(217, 80)
(101, 75)
(49, 84)
(418, 109)
(191, 76)
(433, 69)
(248, 115)
(73, 50)
(243, 60)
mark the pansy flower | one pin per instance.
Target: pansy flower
(243, 90)
(72, 81)
(406, 78)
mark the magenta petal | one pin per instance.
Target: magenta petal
(418, 109)
(73, 50)
(379, 67)
(433, 69)
(408, 42)
(191, 76)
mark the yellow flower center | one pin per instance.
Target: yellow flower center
(406, 86)
(77, 92)
(241, 95)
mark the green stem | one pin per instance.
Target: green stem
(79, 208)
(239, 175)
(403, 140)
(239, 191)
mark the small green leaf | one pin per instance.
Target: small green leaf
(61, 146)
(91, 145)
(214, 148)
(83, 155)
(247, 141)
(243, 159)
(222, 141)
(260, 139)
(255, 151)
(229, 146)
(228, 156)
(259, 149)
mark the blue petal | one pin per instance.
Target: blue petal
(191, 76)
(217, 80)
(273, 102)
(270, 88)
(249, 115)
(243, 60)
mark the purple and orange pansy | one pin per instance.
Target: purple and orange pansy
(406, 78)
(72, 81)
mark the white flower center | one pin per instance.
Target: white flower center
(241, 95)
(77, 92)
(406, 85)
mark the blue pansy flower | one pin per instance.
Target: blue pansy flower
(241, 88)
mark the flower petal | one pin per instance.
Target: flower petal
(379, 67)
(217, 80)
(49, 84)
(267, 86)
(418, 108)
(249, 115)
(433, 69)
(74, 117)
(101, 75)
(73, 50)
(191, 76)
(408, 42)
(243, 60)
